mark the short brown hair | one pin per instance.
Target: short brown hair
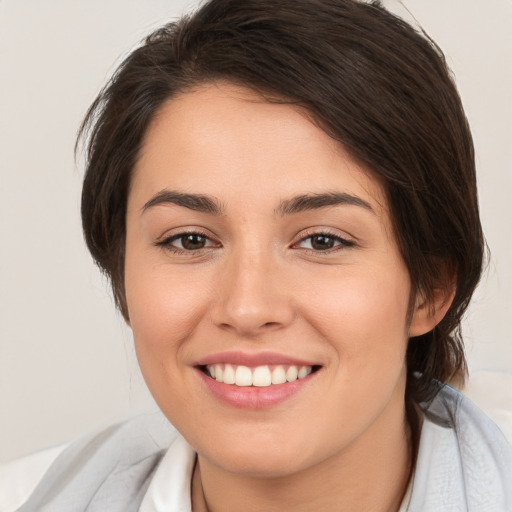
(371, 81)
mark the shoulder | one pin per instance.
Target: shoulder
(20, 477)
(464, 461)
(94, 465)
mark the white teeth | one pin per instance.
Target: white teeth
(304, 371)
(243, 376)
(292, 373)
(229, 374)
(261, 376)
(278, 375)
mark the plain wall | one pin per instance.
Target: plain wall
(66, 359)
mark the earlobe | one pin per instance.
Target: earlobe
(428, 313)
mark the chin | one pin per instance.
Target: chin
(259, 456)
(262, 464)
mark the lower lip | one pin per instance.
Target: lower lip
(253, 397)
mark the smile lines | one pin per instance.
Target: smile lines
(259, 376)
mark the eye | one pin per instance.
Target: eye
(323, 242)
(187, 242)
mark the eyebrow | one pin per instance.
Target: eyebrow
(316, 201)
(197, 202)
(297, 204)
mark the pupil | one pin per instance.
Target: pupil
(322, 242)
(192, 242)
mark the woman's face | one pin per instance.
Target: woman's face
(256, 249)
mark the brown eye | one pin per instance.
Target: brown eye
(192, 241)
(187, 242)
(322, 242)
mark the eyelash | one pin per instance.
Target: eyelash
(342, 243)
(167, 242)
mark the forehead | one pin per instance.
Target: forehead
(227, 140)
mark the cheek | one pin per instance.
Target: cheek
(365, 323)
(364, 317)
(164, 309)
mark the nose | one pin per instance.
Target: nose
(253, 295)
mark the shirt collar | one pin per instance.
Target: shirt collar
(169, 490)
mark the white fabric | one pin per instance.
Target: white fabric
(169, 490)
(464, 461)
(492, 392)
(20, 477)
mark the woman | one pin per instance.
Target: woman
(284, 198)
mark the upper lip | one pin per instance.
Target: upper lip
(253, 359)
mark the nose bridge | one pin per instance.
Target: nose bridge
(253, 294)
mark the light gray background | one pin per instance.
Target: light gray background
(66, 360)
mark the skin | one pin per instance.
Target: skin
(341, 443)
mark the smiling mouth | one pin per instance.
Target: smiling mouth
(259, 376)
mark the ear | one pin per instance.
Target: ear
(428, 313)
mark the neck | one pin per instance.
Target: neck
(369, 476)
